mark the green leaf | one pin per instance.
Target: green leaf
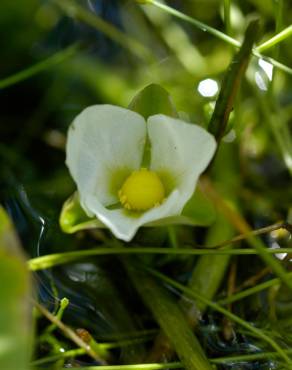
(198, 211)
(170, 318)
(153, 99)
(15, 310)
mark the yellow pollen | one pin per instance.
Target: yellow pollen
(142, 190)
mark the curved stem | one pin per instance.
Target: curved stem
(39, 67)
(57, 259)
(68, 332)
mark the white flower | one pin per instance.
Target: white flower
(105, 151)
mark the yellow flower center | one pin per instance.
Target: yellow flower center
(142, 190)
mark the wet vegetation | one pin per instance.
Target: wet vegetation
(213, 294)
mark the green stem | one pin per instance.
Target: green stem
(39, 67)
(247, 292)
(263, 230)
(53, 358)
(209, 271)
(227, 18)
(222, 36)
(172, 236)
(270, 260)
(125, 336)
(68, 332)
(178, 365)
(124, 343)
(81, 351)
(281, 36)
(215, 306)
(170, 318)
(171, 365)
(231, 83)
(251, 357)
(63, 305)
(56, 259)
(274, 62)
(202, 26)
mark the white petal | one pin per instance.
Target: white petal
(124, 224)
(180, 152)
(105, 144)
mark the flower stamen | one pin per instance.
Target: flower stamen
(142, 190)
